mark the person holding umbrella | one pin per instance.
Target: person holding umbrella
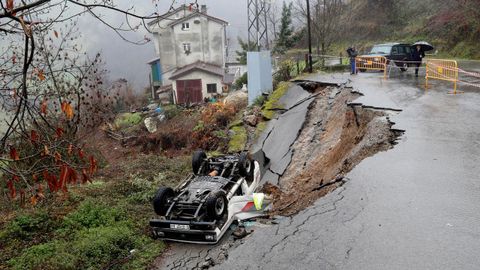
(418, 53)
(352, 53)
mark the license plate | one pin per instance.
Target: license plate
(179, 227)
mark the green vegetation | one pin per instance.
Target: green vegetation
(259, 101)
(260, 129)
(100, 225)
(171, 111)
(93, 236)
(285, 39)
(52, 255)
(238, 140)
(126, 120)
(245, 47)
(241, 81)
(26, 226)
(273, 102)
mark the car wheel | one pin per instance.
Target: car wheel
(197, 159)
(245, 165)
(404, 65)
(216, 205)
(164, 194)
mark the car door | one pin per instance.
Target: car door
(408, 51)
(396, 55)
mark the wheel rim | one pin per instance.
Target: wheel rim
(219, 206)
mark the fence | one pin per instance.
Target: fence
(445, 70)
(363, 63)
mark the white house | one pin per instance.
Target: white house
(191, 46)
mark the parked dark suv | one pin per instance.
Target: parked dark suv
(399, 52)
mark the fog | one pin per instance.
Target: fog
(126, 60)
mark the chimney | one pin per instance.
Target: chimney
(203, 9)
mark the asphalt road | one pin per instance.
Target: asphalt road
(416, 206)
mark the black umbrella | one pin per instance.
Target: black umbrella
(425, 45)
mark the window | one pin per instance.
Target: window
(395, 50)
(186, 48)
(381, 49)
(407, 50)
(212, 88)
(185, 26)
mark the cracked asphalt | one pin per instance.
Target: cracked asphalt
(413, 207)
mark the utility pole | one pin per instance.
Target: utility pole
(310, 65)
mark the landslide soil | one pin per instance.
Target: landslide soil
(334, 139)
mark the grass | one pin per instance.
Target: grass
(273, 102)
(260, 129)
(238, 140)
(96, 226)
(126, 120)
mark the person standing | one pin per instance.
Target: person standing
(417, 55)
(352, 53)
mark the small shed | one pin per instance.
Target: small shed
(195, 82)
(155, 76)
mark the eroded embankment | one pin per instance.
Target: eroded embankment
(336, 135)
(318, 138)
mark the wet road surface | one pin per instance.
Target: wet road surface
(416, 206)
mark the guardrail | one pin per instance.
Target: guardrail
(363, 63)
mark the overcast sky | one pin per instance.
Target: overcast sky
(128, 61)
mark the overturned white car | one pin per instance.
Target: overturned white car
(202, 208)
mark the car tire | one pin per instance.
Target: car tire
(245, 165)
(161, 199)
(404, 65)
(197, 159)
(216, 205)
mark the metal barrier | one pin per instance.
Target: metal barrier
(363, 63)
(445, 70)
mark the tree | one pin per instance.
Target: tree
(284, 40)
(273, 20)
(245, 47)
(328, 22)
(52, 92)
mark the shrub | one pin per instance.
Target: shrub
(284, 72)
(259, 101)
(52, 255)
(143, 190)
(127, 120)
(273, 102)
(171, 111)
(100, 247)
(215, 118)
(238, 84)
(94, 248)
(92, 214)
(24, 227)
(238, 140)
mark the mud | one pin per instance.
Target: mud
(336, 135)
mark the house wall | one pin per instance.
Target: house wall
(164, 43)
(207, 78)
(207, 39)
